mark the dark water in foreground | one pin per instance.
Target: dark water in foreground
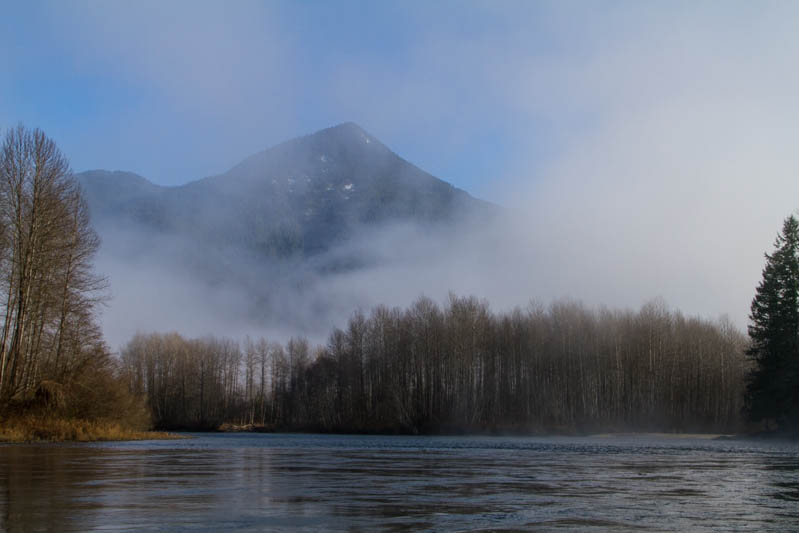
(257, 482)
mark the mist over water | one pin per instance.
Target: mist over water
(638, 151)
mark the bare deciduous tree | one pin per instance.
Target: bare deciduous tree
(464, 368)
(48, 289)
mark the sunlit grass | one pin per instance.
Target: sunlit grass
(38, 428)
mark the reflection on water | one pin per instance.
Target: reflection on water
(256, 482)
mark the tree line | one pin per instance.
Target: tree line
(460, 367)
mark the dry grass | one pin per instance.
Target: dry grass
(39, 428)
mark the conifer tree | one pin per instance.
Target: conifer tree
(772, 388)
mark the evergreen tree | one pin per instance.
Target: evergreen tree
(772, 391)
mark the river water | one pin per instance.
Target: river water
(257, 482)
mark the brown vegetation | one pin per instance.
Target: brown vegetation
(92, 405)
(34, 428)
(565, 369)
(57, 378)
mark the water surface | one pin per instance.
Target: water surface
(255, 482)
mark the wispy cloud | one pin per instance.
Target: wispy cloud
(646, 149)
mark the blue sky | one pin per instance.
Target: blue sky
(650, 147)
(183, 90)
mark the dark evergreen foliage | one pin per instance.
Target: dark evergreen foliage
(772, 387)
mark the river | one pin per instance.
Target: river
(257, 482)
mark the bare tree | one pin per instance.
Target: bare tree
(48, 289)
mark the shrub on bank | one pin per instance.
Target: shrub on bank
(37, 428)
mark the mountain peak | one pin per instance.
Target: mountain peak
(299, 198)
(347, 132)
(347, 126)
(343, 144)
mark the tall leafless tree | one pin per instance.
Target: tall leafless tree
(48, 290)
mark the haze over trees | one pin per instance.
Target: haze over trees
(314, 216)
(420, 369)
(427, 369)
(773, 385)
(51, 348)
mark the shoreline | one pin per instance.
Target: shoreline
(603, 435)
(133, 437)
(662, 435)
(44, 429)
(120, 435)
(246, 428)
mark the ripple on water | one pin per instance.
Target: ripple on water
(255, 481)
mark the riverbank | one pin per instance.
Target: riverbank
(227, 427)
(493, 432)
(37, 428)
(660, 435)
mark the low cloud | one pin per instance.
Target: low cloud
(641, 149)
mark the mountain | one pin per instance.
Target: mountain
(296, 200)
(289, 241)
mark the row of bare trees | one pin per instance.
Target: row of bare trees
(460, 368)
(48, 291)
